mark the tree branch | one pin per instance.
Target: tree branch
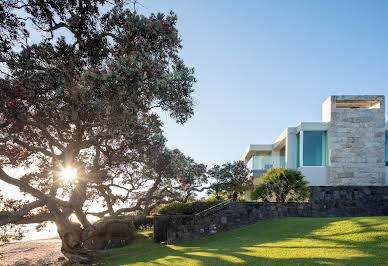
(27, 188)
(12, 217)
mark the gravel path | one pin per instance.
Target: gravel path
(34, 252)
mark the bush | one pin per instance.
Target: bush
(187, 208)
(283, 184)
(219, 198)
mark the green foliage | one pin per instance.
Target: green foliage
(232, 178)
(187, 208)
(90, 99)
(283, 184)
(217, 192)
(220, 197)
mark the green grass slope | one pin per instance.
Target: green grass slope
(290, 241)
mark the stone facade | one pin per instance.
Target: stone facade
(356, 141)
(325, 201)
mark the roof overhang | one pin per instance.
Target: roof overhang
(312, 126)
(255, 148)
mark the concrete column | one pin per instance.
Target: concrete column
(291, 149)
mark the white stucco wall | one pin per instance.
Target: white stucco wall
(315, 175)
(291, 149)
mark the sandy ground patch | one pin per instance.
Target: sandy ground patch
(34, 252)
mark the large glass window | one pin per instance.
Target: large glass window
(260, 161)
(386, 148)
(297, 150)
(314, 148)
(283, 157)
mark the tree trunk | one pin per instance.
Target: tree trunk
(235, 196)
(72, 237)
(79, 245)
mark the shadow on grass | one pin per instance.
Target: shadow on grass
(297, 241)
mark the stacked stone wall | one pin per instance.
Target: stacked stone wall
(356, 143)
(324, 201)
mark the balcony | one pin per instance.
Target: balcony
(260, 172)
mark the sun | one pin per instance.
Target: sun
(68, 174)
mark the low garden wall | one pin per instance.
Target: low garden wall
(324, 202)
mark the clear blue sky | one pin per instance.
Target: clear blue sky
(265, 65)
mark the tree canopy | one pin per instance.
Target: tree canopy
(86, 95)
(230, 177)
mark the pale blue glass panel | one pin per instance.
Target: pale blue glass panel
(314, 148)
(283, 157)
(262, 161)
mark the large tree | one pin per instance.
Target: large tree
(84, 96)
(232, 177)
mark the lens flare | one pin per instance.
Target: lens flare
(68, 174)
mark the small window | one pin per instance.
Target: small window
(354, 104)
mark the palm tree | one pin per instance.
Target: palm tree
(283, 184)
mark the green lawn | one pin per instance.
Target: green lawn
(290, 241)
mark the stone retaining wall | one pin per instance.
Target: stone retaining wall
(324, 202)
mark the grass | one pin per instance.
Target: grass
(289, 241)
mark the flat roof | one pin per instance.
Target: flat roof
(254, 148)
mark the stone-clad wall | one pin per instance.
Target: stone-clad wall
(345, 201)
(324, 202)
(180, 228)
(356, 142)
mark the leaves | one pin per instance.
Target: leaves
(231, 177)
(283, 185)
(91, 99)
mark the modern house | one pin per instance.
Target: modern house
(348, 148)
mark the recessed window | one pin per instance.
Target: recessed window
(314, 148)
(283, 157)
(354, 104)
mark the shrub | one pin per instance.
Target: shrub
(283, 184)
(187, 208)
(219, 198)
